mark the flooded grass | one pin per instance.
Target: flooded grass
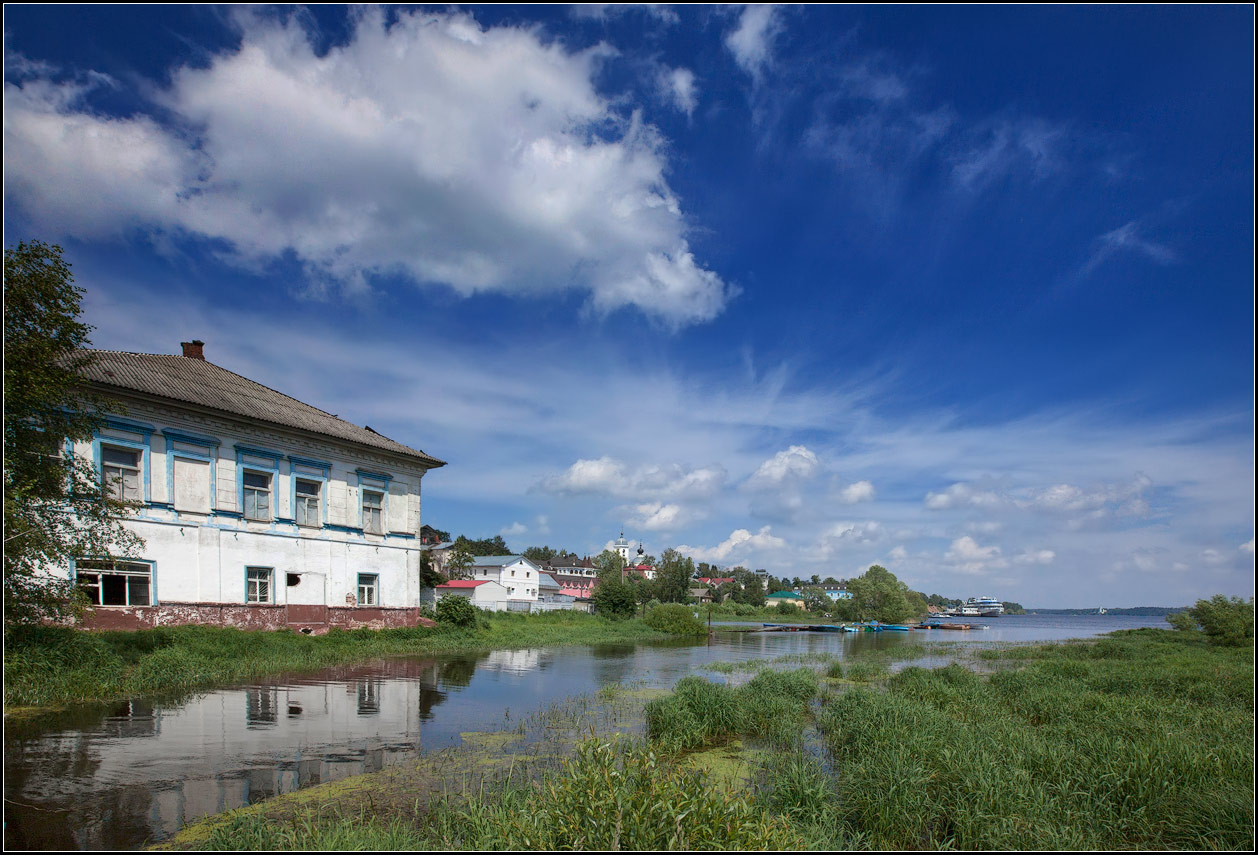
(1141, 740)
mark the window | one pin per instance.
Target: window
(307, 512)
(257, 584)
(108, 583)
(373, 512)
(368, 589)
(120, 473)
(257, 495)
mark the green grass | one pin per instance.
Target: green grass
(45, 666)
(771, 707)
(1141, 740)
(612, 794)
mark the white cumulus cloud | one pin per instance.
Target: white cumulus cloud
(611, 477)
(481, 159)
(795, 463)
(861, 491)
(967, 556)
(657, 516)
(737, 546)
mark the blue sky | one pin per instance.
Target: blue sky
(964, 291)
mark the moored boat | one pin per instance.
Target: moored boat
(979, 607)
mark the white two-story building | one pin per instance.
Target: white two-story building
(256, 510)
(516, 573)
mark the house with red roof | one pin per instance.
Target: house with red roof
(483, 593)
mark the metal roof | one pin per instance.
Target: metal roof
(496, 560)
(195, 381)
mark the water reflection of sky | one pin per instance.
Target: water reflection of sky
(118, 776)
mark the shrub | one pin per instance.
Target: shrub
(1225, 621)
(614, 599)
(787, 608)
(674, 618)
(456, 610)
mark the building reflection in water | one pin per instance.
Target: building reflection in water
(139, 772)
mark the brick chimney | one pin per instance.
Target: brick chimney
(192, 349)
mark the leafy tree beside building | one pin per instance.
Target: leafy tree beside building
(55, 507)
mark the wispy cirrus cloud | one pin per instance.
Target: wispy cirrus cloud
(751, 40)
(1127, 239)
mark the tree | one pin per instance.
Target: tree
(1225, 621)
(428, 575)
(673, 578)
(816, 600)
(879, 595)
(610, 563)
(487, 546)
(55, 507)
(613, 598)
(539, 554)
(458, 563)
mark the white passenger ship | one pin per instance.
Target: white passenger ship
(980, 607)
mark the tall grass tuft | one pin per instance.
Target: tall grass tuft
(772, 706)
(612, 795)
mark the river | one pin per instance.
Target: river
(131, 773)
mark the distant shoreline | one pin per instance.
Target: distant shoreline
(1143, 611)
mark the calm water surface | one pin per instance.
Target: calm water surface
(120, 776)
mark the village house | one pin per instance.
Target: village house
(837, 592)
(482, 593)
(256, 509)
(700, 594)
(784, 597)
(516, 573)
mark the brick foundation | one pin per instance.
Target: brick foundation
(312, 619)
